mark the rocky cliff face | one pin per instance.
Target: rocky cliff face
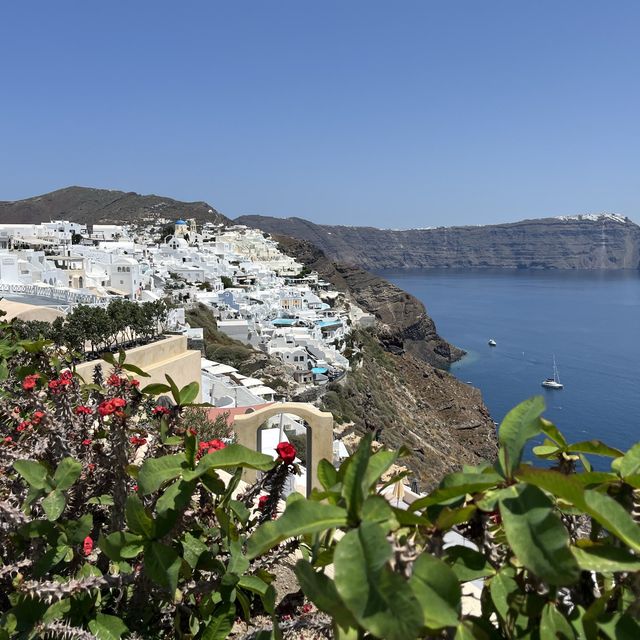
(576, 242)
(407, 402)
(103, 206)
(404, 324)
(394, 389)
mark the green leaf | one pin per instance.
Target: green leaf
(354, 480)
(189, 393)
(448, 518)
(377, 509)
(327, 474)
(221, 623)
(138, 519)
(234, 455)
(54, 505)
(629, 463)
(537, 536)
(613, 517)
(67, 473)
(554, 626)
(175, 392)
(456, 485)
(192, 549)
(78, 530)
(380, 600)
(378, 463)
(546, 450)
(176, 496)
(519, 425)
(437, 589)
(605, 559)
(155, 389)
(467, 563)
(162, 565)
(137, 370)
(595, 447)
(501, 589)
(619, 626)
(322, 591)
(599, 506)
(154, 472)
(300, 517)
(108, 358)
(121, 545)
(106, 627)
(550, 429)
(35, 473)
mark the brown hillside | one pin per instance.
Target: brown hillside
(103, 206)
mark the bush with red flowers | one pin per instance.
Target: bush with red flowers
(98, 482)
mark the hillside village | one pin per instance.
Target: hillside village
(257, 296)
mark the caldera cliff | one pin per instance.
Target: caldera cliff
(604, 241)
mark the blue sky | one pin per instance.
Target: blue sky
(392, 114)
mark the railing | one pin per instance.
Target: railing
(55, 293)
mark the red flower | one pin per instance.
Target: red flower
(262, 502)
(91, 466)
(66, 375)
(53, 385)
(107, 407)
(37, 417)
(23, 425)
(215, 445)
(286, 451)
(8, 439)
(29, 382)
(134, 382)
(82, 410)
(160, 411)
(114, 380)
(210, 446)
(137, 441)
(86, 442)
(87, 545)
(135, 487)
(307, 607)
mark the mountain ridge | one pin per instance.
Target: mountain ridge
(88, 205)
(606, 241)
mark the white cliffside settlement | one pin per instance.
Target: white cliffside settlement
(257, 294)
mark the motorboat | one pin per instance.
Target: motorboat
(553, 383)
(492, 342)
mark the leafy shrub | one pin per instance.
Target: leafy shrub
(92, 329)
(116, 516)
(557, 551)
(117, 520)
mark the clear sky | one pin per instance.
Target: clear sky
(394, 114)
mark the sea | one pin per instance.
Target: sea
(588, 320)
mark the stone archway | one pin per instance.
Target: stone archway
(319, 435)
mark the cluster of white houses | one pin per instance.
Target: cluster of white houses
(253, 289)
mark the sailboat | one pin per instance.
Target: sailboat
(553, 383)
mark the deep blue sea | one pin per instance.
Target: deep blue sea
(589, 320)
